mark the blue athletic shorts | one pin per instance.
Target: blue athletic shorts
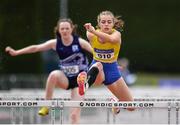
(111, 72)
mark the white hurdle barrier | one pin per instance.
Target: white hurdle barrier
(108, 104)
(167, 103)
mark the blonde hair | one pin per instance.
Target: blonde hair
(118, 22)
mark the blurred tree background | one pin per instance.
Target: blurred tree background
(151, 37)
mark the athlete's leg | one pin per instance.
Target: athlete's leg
(75, 112)
(94, 75)
(121, 91)
(100, 76)
(56, 78)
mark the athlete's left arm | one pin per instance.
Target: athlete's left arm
(113, 38)
(85, 45)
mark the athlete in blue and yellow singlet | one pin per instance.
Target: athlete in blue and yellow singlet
(106, 42)
(107, 54)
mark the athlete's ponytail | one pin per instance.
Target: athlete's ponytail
(118, 23)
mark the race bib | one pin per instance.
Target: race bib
(70, 70)
(104, 55)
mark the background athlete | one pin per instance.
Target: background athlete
(72, 60)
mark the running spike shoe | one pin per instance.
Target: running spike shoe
(81, 80)
(44, 111)
(115, 110)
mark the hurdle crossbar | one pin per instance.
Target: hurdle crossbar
(93, 98)
(107, 104)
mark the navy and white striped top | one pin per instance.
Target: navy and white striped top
(72, 58)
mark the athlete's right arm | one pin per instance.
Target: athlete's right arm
(50, 44)
(89, 28)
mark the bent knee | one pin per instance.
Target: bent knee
(98, 65)
(54, 74)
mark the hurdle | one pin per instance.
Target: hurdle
(168, 103)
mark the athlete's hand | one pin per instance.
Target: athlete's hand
(11, 51)
(89, 27)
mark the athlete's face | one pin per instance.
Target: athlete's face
(65, 29)
(106, 23)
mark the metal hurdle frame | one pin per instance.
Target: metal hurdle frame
(57, 103)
